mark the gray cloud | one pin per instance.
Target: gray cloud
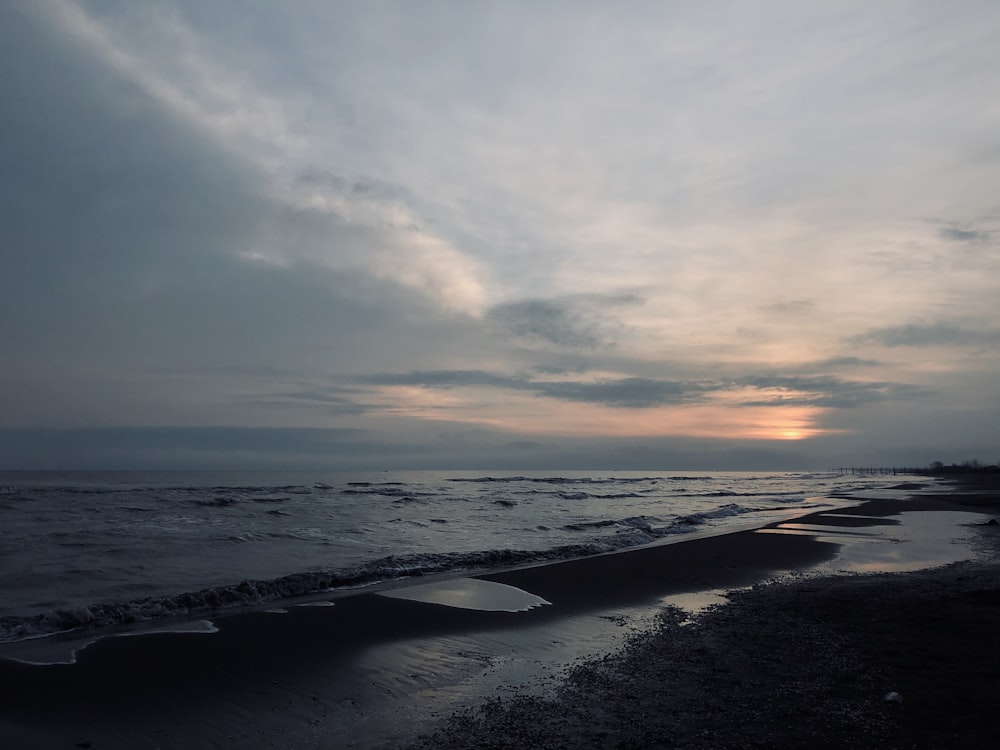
(965, 235)
(179, 447)
(128, 241)
(624, 392)
(639, 393)
(547, 321)
(326, 450)
(210, 223)
(791, 307)
(325, 399)
(828, 391)
(835, 394)
(928, 335)
(363, 188)
(583, 321)
(823, 367)
(845, 362)
(633, 393)
(445, 379)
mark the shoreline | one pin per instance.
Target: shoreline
(333, 676)
(244, 569)
(826, 660)
(898, 660)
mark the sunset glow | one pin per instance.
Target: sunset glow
(465, 233)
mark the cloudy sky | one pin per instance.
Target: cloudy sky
(512, 234)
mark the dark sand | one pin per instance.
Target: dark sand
(804, 663)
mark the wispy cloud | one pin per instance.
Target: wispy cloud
(547, 218)
(842, 362)
(377, 230)
(581, 321)
(930, 335)
(790, 307)
(641, 393)
(834, 394)
(965, 235)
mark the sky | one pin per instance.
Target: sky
(633, 235)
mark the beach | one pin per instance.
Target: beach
(803, 654)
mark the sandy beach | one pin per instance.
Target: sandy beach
(801, 656)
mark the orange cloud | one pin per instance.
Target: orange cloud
(526, 413)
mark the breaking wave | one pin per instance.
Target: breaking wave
(555, 480)
(626, 532)
(230, 543)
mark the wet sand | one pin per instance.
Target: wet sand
(779, 663)
(806, 664)
(878, 660)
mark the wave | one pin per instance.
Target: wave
(646, 525)
(725, 511)
(227, 501)
(247, 593)
(409, 500)
(136, 491)
(628, 480)
(630, 532)
(217, 502)
(394, 489)
(579, 495)
(587, 525)
(794, 494)
(555, 480)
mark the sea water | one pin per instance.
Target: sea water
(84, 549)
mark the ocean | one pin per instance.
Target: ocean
(95, 549)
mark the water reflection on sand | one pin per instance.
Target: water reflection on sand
(911, 540)
(470, 593)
